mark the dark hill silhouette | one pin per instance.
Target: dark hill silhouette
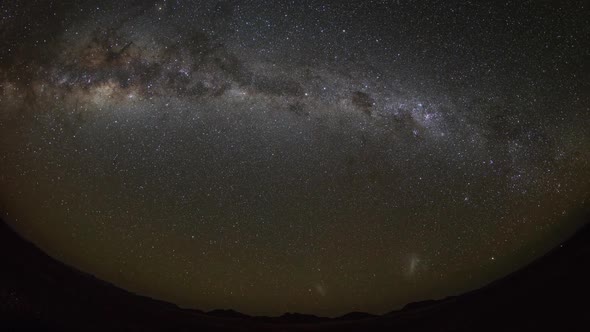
(227, 313)
(420, 305)
(356, 316)
(293, 317)
(40, 293)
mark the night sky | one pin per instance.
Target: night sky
(294, 156)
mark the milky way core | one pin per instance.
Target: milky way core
(295, 156)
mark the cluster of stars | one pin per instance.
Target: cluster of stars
(305, 156)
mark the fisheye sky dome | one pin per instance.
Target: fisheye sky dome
(294, 156)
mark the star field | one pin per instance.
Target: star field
(294, 156)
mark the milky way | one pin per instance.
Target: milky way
(314, 156)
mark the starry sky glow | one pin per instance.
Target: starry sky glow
(294, 156)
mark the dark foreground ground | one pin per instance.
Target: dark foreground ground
(40, 293)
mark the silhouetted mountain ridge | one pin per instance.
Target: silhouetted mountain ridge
(228, 313)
